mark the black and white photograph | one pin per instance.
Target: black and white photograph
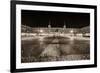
(54, 36)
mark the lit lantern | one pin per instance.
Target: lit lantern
(41, 31)
(71, 31)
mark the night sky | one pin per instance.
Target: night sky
(42, 18)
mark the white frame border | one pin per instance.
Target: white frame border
(20, 65)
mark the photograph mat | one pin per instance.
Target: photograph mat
(56, 63)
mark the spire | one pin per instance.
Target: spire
(64, 25)
(49, 26)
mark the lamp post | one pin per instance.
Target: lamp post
(49, 26)
(71, 32)
(64, 27)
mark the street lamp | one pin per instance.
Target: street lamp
(72, 34)
(71, 31)
(41, 30)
